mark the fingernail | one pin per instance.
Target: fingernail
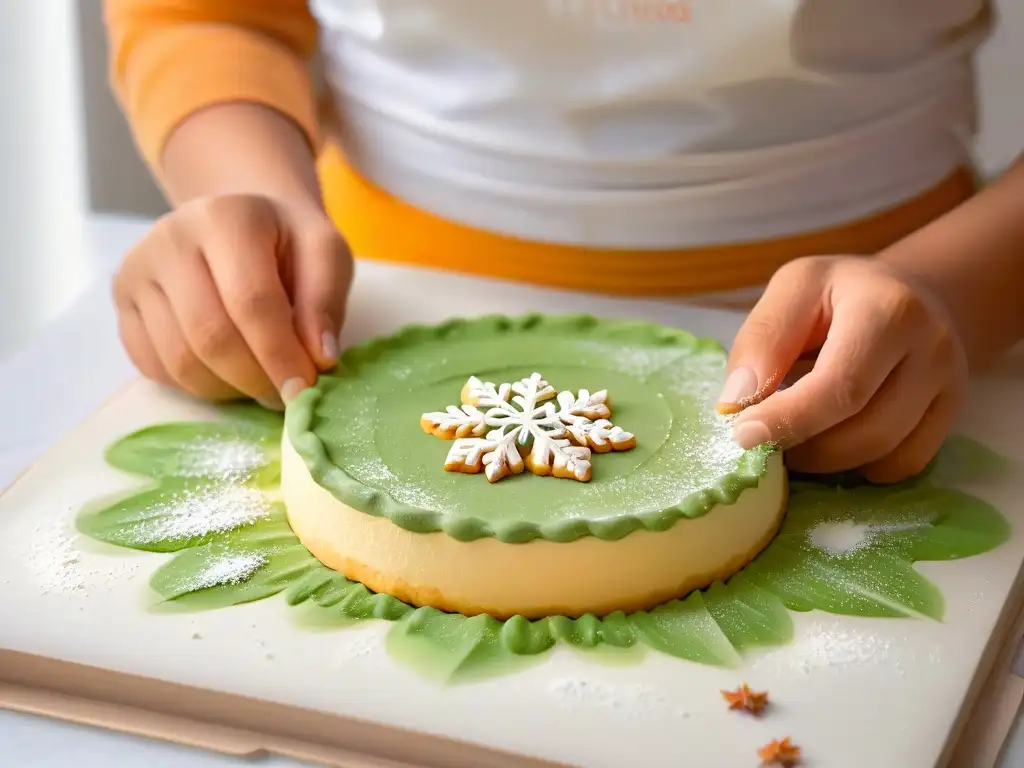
(330, 346)
(750, 434)
(291, 388)
(271, 402)
(740, 386)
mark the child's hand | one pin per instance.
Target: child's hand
(887, 383)
(235, 296)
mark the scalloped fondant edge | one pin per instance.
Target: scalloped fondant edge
(300, 413)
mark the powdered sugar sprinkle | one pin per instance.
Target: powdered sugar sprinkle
(230, 569)
(632, 700)
(193, 514)
(58, 567)
(845, 537)
(226, 459)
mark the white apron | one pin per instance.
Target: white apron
(652, 123)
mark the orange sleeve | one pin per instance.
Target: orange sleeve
(171, 58)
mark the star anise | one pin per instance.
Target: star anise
(744, 698)
(780, 752)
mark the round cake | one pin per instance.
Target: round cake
(534, 466)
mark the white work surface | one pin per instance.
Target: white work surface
(83, 347)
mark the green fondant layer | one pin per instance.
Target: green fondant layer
(358, 429)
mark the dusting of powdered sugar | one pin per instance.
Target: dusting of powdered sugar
(700, 459)
(417, 497)
(635, 361)
(631, 700)
(191, 514)
(845, 537)
(360, 648)
(58, 567)
(830, 645)
(230, 569)
(371, 470)
(226, 459)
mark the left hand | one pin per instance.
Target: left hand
(889, 378)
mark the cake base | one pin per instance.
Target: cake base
(538, 578)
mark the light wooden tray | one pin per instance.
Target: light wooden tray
(928, 694)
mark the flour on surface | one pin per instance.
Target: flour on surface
(830, 645)
(192, 514)
(360, 648)
(228, 570)
(58, 567)
(631, 700)
(225, 459)
(635, 361)
(844, 537)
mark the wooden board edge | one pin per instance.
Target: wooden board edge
(229, 723)
(977, 737)
(176, 730)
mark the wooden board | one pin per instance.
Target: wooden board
(76, 642)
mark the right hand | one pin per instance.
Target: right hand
(235, 296)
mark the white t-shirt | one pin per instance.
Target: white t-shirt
(652, 123)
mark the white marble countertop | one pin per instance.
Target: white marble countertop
(82, 344)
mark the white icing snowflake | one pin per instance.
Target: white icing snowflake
(503, 429)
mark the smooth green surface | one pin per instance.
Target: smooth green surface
(260, 557)
(358, 429)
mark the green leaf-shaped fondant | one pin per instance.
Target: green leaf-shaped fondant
(450, 648)
(175, 514)
(963, 460)
(244, 565)
(750, 617)
(851, 551)
(686, 629)
(244, 449)
(868, 582)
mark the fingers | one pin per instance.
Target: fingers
(890, 416)
(323, 274)
(139, 348)
(176, 357)
(254, 295)
(912, 455)
(209, 331)
(785, 323)
(861, 350)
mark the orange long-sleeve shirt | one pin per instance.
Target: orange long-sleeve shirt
(171, 58)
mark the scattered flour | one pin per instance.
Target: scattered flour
(231, 569)
(227, 459)
(360, 648)
(825, 646)
(59, 568)
(631, 700)
(192, 514)
(843, 538)
(636, 361)
(371, 470)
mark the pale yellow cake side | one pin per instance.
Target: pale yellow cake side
(538, 578)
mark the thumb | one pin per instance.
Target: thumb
(323, 272)
(786, 322)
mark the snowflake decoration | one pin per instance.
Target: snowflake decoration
(502, 429)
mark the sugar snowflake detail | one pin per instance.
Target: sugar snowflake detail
(502, 429)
